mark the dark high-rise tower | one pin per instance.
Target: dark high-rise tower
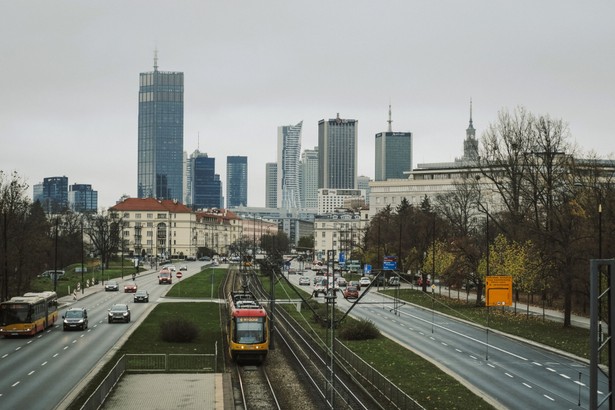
(236, 181)
(206, 186)
(161, 134)
(393, 153)
(337, 153)
(470, 145)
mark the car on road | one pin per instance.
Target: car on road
(394, 281)
(165, 276)
(364, 281)
(183, 267)
(75, 318)
(141, 296)
(119, 313)
(351, 292)
(355, 283)
(130, 288)
(304, 281)
(112, 285)
(320, 287)
(172, 268)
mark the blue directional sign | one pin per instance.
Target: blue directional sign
(342, 258)
(367, 269)
(390, 263)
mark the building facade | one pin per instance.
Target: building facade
(309, 178)
(289, 150)
(330, 200)
(393, 153)
(82, 198)
(236, 181)
(161, 135)
(337, 153)
(169, 229)
(205, 184)
(339, 232)
(52, 194)
(271, 185)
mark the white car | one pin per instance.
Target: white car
(364, 281)
(304, 280)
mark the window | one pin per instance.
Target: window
(137, 216)
(150, 216)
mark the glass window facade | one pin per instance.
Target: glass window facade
(161, 135)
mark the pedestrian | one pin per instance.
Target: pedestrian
(74, 294)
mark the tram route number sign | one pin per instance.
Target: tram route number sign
(499, 291)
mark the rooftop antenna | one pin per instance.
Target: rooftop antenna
(390, 121)
(198, 140)
(156, 59)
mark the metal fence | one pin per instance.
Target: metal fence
(150, 363)
(360, 369)
(175, 363)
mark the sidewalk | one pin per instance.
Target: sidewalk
(522, 308)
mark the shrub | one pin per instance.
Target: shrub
(359, 330)
(178, 331)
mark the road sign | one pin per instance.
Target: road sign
(390, 263)
(179, 275)
(499, 291)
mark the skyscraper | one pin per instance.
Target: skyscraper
(161, 134)
(236, 181)
(309, 178)
(52, 193)
(271, 185)
(205, 184)
(337, 153)
(393, 153)
(470, 144)
(82, 198)
(289, 150)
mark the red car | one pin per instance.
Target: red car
(351, 292)
(130, 288)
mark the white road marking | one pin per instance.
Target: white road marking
(527, 385)
(30, 374)
(550, 398)
(509, 375)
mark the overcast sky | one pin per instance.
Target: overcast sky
(70, 77)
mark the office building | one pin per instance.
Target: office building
(52, 194)
(82, 198)
(236, 181)
(309, 178)
(271, 185)
(289, 150)
(161, 134)
(205, 184)
(337, 153)
(393, 153)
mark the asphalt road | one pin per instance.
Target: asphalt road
(507, 372)
(38, 372)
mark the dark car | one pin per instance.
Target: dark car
(112, 285)
(141, 296)
(130, 287)
(394, 281)
(351, 292)
(75, 318)
(119, 313)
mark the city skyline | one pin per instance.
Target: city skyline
(69, 89)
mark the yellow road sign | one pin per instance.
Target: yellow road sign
(499, 291)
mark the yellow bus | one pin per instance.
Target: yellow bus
(28, 314)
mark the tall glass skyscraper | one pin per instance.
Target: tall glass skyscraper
(236, 181)
(271, 185)
(52, 193)
(161, 134)
(82, 198)
(393, 153)
(289, 150)
(337, 153)
(206, 186)
(309, 178)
